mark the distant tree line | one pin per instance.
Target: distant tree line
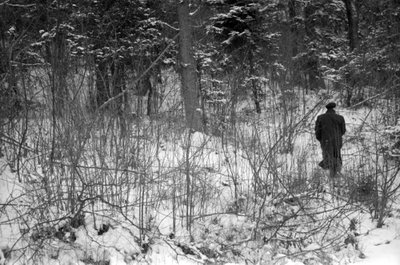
(347, 45)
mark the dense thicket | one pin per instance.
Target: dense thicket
(348, 45)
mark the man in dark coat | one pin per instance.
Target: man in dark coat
(329, 129)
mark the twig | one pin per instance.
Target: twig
(98, 167)
(12, 141)
(371, 98)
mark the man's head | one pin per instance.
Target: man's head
(331, 105)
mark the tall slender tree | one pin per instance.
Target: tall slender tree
(352, 21)
(187, 66)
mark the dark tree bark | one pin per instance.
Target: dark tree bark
(254, 84)
(352, 21)
(293, 31)
(59, 63)
(102, 83)
(296, 34)
(118, 74)
(150, 95)
(119, 85)
(190, 87)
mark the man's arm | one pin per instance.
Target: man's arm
(343, 126)
(318, 129)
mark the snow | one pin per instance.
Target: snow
(380, 245)
(387, 254)
(10, 191)
(219, 228)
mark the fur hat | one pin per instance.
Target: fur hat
(330, 105)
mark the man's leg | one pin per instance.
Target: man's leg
(324, 164)
(332, 156)
(336, 161)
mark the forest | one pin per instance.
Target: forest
(182, 132)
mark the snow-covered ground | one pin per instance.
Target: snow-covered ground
(380, 245)
(224, 225)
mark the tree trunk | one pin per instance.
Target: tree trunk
(352, 21)
(189, 90)
(118, 72)
(313, 71)
(150, 101)
(254, 85)
(202, 96)
(293, 27)
(59, 63)
(102, 81)
(150, 91)
(296, 34)
(315, 80)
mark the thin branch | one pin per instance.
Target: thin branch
(168, 25)
(375, 96)
(14, 142)
(19, 5)
(99, 168)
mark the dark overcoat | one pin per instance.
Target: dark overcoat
(329, 129)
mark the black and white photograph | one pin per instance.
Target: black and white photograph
(199, 132)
